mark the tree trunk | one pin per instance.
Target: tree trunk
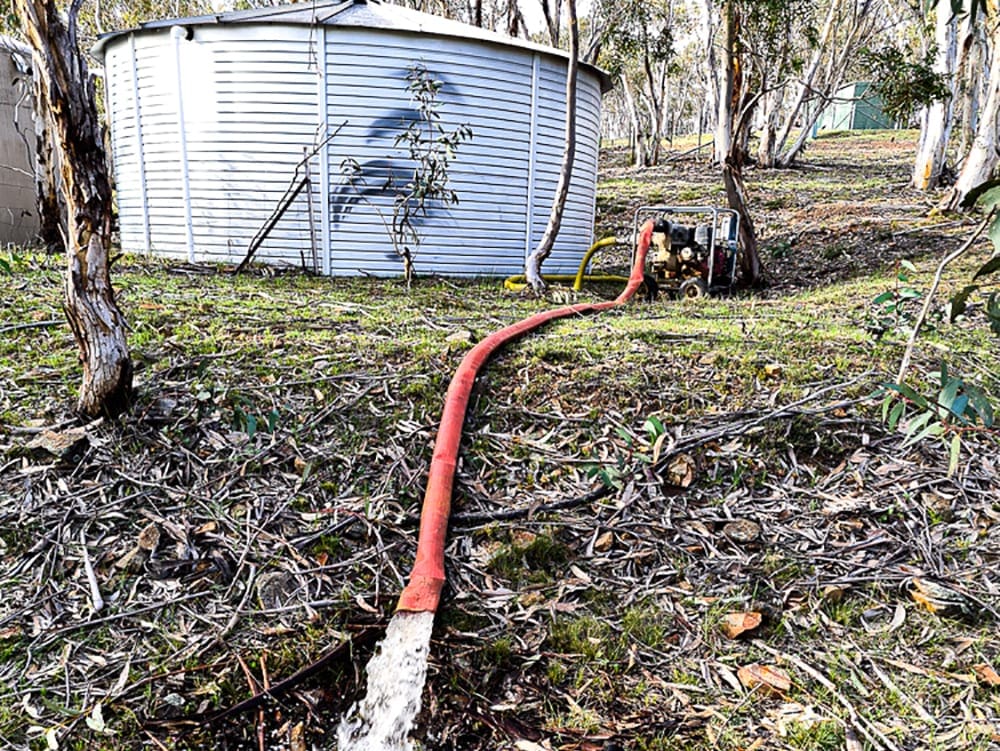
(968, 70)
(983, 156)
(937, 123)
(640, 155)
(727, 89)
(64, 85)
(749, 259)
(805, 87)
(767, 148)
(836, 68)
(533, 266)
(551, 15)
(739, 114)
(51, 207)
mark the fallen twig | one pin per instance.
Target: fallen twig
(32, 325)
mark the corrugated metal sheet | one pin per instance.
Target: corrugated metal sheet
(18, 214)
(207, 132)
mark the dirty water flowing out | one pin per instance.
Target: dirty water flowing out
(395, 674)
(382, 720)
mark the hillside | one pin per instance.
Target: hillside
(678, 525)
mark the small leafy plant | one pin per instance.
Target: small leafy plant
(246, 421)
(956, 408)
(432, 149)
(892, 309)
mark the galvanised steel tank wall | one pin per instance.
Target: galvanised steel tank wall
(18, 213)
(210, 117)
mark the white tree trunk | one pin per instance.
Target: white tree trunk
(983, 155)
(767, 152)
(639, 157)
(724, 122)
(804, 89)
(969, 71)
(937, 125)
(533, 264)
(711, 104)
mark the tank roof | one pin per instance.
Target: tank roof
(368, 14)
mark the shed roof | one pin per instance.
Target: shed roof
(370, 14)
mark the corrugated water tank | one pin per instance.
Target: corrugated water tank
(211, 115)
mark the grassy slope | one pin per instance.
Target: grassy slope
(599, 622)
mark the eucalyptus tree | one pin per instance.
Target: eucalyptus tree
(847, 26)
(533, 264)
(64, 87)
(637, 48)
(981, 161)
(936, 119)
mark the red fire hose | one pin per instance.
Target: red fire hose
(427, 577)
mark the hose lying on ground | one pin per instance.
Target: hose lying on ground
(423, 592)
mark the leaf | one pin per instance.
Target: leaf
(986, 674)
(95, 720)
(737, 624)
(987, 194)
(658, 447)
(994, 233)
(884, 297)
(917, 423)
(771, 679)
(954, 454)
(933, 430)
(654, 426)
(947, 396)
(897, 411)
(681, 471)
(908, 265)
(980, 403)
(52, 739)
(991, 266)
(958, 302)
(909, 393)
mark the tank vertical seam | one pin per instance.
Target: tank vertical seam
(532, 136)
(324, 153)
(182, 142)
(137, 108)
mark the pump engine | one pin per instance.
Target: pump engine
(692, 259)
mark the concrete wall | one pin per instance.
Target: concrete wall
(18, 215)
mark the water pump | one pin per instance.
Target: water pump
(691, 259)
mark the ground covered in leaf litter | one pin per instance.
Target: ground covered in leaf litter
(760, 565)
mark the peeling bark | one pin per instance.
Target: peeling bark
(64, 86)
(937, 123)
(984, 155)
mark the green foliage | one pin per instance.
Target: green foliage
(432, 149)
(636, 31)
(955, 407)
(987, 196)
(893, 308)
(247, 421)
(904, 81)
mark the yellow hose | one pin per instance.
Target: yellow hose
(517, 282)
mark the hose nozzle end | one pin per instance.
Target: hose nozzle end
(421, 595)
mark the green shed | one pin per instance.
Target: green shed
(855, 108)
